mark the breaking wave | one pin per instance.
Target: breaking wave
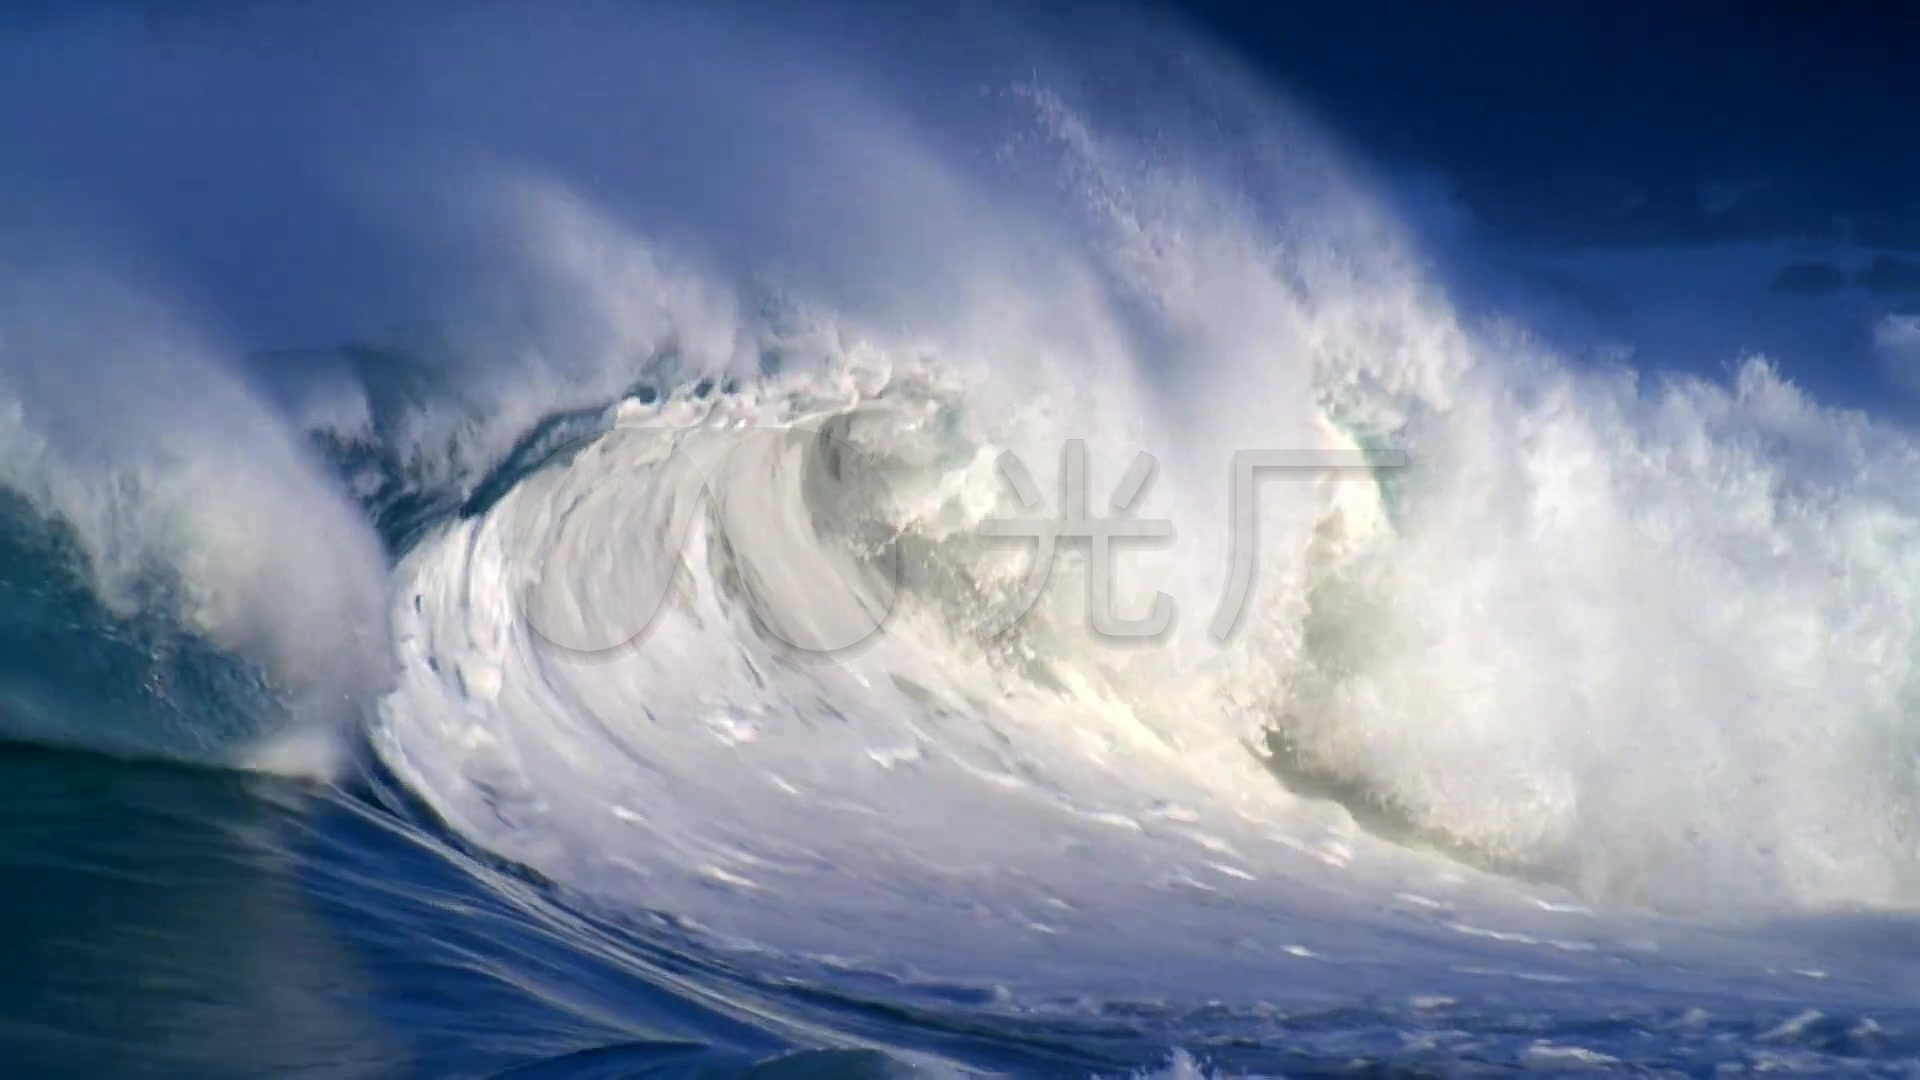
(665, 578)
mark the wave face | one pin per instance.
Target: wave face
(656, 566)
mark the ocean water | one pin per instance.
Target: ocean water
(508, 575)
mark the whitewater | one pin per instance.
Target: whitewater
(638, 569)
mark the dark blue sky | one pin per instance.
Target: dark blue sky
(1619, 121)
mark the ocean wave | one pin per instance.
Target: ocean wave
(666, 581)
